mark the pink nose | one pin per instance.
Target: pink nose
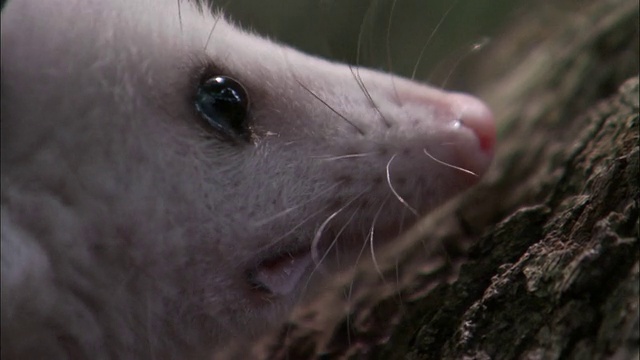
(475, 115)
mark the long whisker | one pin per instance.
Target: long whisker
(206, 45)
(333, 243)
(286, 211)
(397, 267)
(388, 40)
(179, 14)
(356, 75)
(317, 266)
(318, 235)
(364, 246)
(348, 318)
(350, 292)
(329, 106)
(331, 158)
(371, 232)
(449, 165)
(426, 44)
(394, 190)
(316, 238)
(286, 59)
(475, 47)
(367, 94)
(293, 229)
(361, 31)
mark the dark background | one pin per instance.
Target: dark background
(332, 28)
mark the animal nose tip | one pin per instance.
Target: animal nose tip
(476, 116)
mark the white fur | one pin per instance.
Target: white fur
(127, 227)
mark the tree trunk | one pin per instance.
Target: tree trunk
(542, 259)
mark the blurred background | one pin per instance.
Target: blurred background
(384, 34)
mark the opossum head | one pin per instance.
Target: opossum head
(177, 171)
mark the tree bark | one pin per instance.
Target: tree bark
(542, 259)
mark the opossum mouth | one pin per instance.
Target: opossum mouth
(281, 273)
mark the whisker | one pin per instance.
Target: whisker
(401, 224)
(426, 44)
(286, 59)
(293, 229)
(356, 75)
(316, 238)
(367, 94)
(397, 267)
(388, 40)
(474, 47)
(361, 31)
(334, 242)
(329, 106)
(206, 45)
(348, 318)
(364, 246)
(449, 165)
(317, 265)
(355, 265)
(284, 212)
(394, 190)
(370, 237)
(179, 14)
(349, 156)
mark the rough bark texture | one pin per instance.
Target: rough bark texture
(555, 274)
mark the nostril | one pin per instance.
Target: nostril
(475, 115)
(484, 127)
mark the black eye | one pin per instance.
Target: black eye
(223, 103)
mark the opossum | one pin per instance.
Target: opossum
(170, 181)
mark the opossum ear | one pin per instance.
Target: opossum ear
(223, 103)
